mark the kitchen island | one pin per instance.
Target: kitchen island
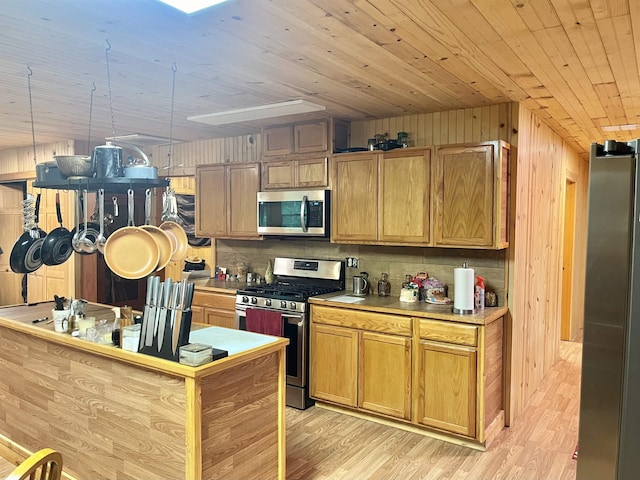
(115, 414)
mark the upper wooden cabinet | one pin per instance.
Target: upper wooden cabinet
(382, 198)
(354, 209)
(303, 173)
(297, 138)
(470, 201)
(226, 204)
(319, 136)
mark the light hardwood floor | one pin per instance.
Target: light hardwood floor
(325, 445)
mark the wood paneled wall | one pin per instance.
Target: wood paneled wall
(185, 156)
(21, 159)
(440, 128)
(535, 263)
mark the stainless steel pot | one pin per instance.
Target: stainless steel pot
(360, 285)
(108, 161)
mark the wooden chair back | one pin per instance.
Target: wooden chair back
(45, 464)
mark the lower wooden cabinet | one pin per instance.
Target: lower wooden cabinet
(446, 387)
(367, 370)
(214, 308)
(433, 374)
(334, 364)
(385, 374)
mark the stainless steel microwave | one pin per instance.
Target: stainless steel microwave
(294, 212)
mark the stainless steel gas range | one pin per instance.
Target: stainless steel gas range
(297, 279)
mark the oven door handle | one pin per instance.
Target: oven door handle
(294, 320)
(303, 213)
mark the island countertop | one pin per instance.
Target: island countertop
(392, 305)
(119, 415)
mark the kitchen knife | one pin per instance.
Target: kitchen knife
(155, 295)
(171, 314)
(178, 318)
(166, 295)
(145, 315)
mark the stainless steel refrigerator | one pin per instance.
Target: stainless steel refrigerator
(609, 436)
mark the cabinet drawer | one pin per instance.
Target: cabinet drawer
(213, 299)
(374, 322)
(449, 332)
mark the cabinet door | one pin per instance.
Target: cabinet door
(277, 140)
(333, 366)
(355, 195)
(211, 201)
(311, 137)
(197, 314)
(244, 184)
(385, 374)
(404, 197)
(220, 318)
(464, 191)
(278, 174)
(446, 384)
(311, 173)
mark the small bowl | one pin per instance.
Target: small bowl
(75, 165)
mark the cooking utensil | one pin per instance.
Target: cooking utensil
(172, 228)
(101, 240)
(166, 296)
(361, 284)
(108, 160)
(131, 252)
(153, 310)
(179, 312)
(165, 246)
(85, 243)
(133, 169)
(75, 166)
(26, 253)
(56, 247)
(145, 314)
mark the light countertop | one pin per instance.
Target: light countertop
(392, 305)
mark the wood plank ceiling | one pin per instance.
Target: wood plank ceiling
(573, 62)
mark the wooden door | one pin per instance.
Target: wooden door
(333, 366)
(242, 209)
(311, 173)
(446, 383)
(385, 374)
(354, 198)
(311, 137)
(10, 230)
(211, 201)
(278, 174)
(464, 192)
(567, 260)
(404, 197)
(277, 140)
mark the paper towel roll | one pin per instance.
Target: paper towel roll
(464, 286)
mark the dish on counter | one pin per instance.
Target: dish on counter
(438, 300)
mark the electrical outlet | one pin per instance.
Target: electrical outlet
(352, 262)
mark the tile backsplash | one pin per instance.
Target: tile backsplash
(396, 261)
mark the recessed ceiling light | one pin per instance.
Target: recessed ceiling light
(617, 128)
(192, 6)
(271, 110)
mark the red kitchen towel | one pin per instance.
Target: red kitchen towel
(264, 321)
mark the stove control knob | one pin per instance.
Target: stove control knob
(292, 305)
(245, 299)
(254, 300)
(283, 304)
(267, 302)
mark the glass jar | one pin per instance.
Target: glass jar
(403, 139)
(384, 287)
(407, 281)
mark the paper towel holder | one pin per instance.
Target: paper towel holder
(464, 311)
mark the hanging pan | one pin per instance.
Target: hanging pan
(173, 229)
(165, 246)
(26, 255)
(131, 252)
(56, 248)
